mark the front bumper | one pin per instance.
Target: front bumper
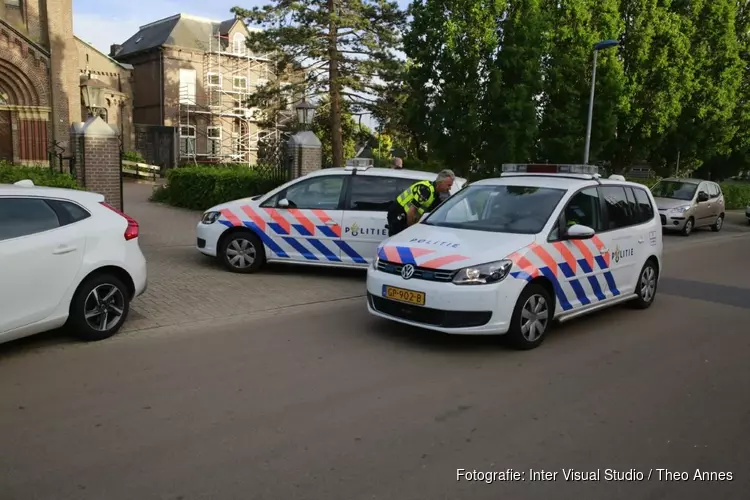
(449, 308)
(207, 237)
(672, 220)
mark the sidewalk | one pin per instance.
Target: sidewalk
(184, 286)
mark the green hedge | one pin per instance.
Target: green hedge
(201, 187)
(40, 176)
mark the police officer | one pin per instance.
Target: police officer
(419, 198)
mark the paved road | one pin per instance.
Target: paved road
(324, 402)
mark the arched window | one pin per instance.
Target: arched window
(239, 46)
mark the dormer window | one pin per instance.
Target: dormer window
(239, 44)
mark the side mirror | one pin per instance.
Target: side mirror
(579, 232)
(702, 196)
(283, 203)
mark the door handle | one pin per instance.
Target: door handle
(603, 250)
(331, 223)
(640, 240)
(61, 250)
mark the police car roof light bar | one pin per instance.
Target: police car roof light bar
(550, 168)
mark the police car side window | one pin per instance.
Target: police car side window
(582, 208)
(375, 193)
(322, 192)
(645, 209)
(619, 212)
(25, 216)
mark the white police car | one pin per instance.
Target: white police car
(330, 217)
(508, 255)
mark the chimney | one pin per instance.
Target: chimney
(114, 49)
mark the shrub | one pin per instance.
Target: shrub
(40, 176)
(201, 187)
(133, 156)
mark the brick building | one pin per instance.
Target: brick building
(108, 84)
(196, 74)
(39, 82)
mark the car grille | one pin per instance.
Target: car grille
(663, 220)
(428, 315)
(420, 273)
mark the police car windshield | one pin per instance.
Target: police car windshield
(500, 209)
(675, 190)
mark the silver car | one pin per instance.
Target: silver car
(686, 204)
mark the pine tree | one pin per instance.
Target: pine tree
(345, 48)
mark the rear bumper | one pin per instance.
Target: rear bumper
(135, 263)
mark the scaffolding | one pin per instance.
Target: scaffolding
(215, 123)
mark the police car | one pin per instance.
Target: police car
(330, 217)
(511, 254)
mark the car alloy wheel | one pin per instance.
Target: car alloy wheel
(104, 307)
(647, 284)
(241, 253)
(688, 227)
(534, 318)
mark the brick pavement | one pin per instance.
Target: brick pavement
(185, 286)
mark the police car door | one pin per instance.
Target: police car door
(583, 270)
(304, 220)
(620, 237)
(365, 216)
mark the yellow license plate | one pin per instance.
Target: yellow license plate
(403, 295)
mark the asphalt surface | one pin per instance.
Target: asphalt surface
(325, 402)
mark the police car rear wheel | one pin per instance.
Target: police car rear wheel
(242, 252)
(645, 289)
(531, 318)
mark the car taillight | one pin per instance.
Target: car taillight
(131, 231)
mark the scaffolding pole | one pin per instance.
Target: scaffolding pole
(215, 123)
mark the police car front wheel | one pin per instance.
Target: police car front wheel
(531, 318)
(645, 289)
(242, 252)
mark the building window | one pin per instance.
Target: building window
(239, 44)
(187, 86)
(240, 83)
(214, 140)
(187, 140)
(13, 3)
(214, 80)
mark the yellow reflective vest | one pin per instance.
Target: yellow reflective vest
(421, 194)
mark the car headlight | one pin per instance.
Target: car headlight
(483, 274)
(680, 210)
(210, 217)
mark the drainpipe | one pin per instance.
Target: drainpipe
(161, 83)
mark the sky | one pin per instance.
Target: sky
(103, 23)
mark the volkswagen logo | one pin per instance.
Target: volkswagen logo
(407, 271)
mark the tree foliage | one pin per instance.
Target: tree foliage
(493, 81)
(344, 48)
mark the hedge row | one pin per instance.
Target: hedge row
(201, 187)
(40, 176)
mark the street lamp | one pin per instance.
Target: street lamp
(305, 113)
(605, 44)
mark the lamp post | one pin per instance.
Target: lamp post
(305, 113)
(605, 44)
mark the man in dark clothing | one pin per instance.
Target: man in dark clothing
(419, 198)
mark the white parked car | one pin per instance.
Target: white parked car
(331, 217)
(509, 255)
(66, 259)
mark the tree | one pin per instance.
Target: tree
(706, 125)
(351, 132)
(344, 47)
(450, 44)
(510, 107)
(574, 27)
